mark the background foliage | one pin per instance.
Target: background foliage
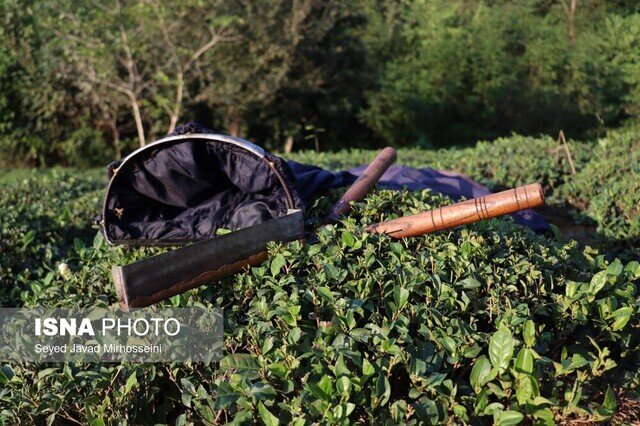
(82, 83)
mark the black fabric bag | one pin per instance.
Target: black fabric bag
(186, 186)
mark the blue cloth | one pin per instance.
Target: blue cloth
(310, 180)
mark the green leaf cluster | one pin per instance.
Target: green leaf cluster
(485, 323)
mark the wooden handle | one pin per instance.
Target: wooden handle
(365, 182)
(505, 202)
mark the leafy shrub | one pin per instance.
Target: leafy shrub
(486, 322)
(607, 189)
(41, 214)
(505, 162)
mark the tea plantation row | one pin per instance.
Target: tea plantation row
(486, 323)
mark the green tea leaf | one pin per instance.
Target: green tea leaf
(265, 415)
(508, 418)
(598, 282)
(615, 268)
(48, 371)
(382, 390)
(343, 385)
(481, 373)
(325, 292)
(544, 416)
(610, 403)
(529, 333)
(524, 361)
(429, 411)
(622, 317)
(78, 245)
(279, 369)
(470, 283)
(322, 389)
(277, 263)
(501, 348)
(348, 239)
(225, 395)
(262, 391)
(6, 373)
(367, 368)
(132, 381)
(28, 238)
(526, 389)
(241, 363)
(331, 272)
(400, 296)
(267, 345)
(633, 269)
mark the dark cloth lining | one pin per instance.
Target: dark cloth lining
(190, 189)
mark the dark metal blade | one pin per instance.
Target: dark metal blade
(160, 277)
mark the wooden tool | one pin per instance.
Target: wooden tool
(364, 183)
(494, 205)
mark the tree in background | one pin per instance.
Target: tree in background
(37, 104)
(276, 80)
(258, 69)
(462, 71)
(84, 72)
(84, 82)
(136, 60)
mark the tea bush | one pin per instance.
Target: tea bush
(41, 214)
(505, 162)
(614, 202)
(485, 323)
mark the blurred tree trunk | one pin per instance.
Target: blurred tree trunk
(570, 10)
(235, 125)
(138, 119)
(134, 77)
(274, 62)
(288, 144)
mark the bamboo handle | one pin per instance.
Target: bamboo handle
(474, 210)
(365, 182)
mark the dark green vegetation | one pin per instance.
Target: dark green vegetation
(80, 82)
(486, 323)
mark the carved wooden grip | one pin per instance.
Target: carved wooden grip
(365, 182)
(474, 210)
